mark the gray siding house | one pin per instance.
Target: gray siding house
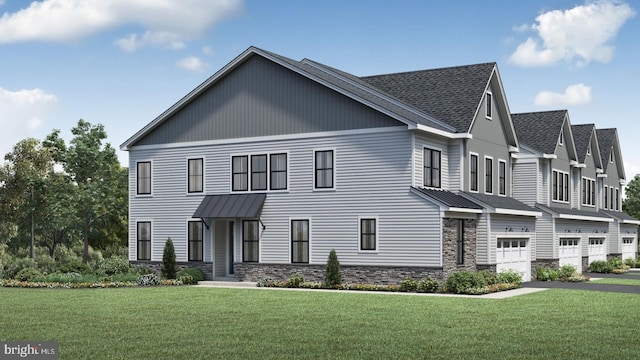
(270, 163)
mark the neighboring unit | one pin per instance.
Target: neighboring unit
(270, 163)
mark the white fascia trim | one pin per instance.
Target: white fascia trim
(599, 171)
(583, 218)
(465, 210)
(601, 175)
(517, 212)
(578, 165)
(513, 149)
(446, 134)
(521, 156)
(271, 138)
(550, 156)
(634, 222)
(622, 181)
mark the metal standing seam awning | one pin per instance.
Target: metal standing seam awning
(230, 206)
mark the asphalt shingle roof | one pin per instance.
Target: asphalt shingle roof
(449, 199)
(539, 130)
(618, 215)
(499, 202)
(605, 139)
(573, 211)
(582, 137)
(449, 94)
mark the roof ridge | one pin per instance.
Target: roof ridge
(541, 112)
(431, 69)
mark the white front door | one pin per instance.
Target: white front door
(513, 254)
(570, 254)
(597, 250)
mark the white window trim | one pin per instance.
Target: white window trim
(436, 148)
(135, 227)
(611, 157)
(204, 176)
(560, 172)
(360, 250)
(477, 172)
(561, 139)
(248, 155)
(506, 177)
(593, 183)
(289, 237)
(152, 177)
(605, 197)
(617, 200)
(488, 104)
(589, 149)
(185, 257)
(493, 175)
(335, 170)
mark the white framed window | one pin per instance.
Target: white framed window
(260, 172)
(560, 186)
(610, 197)
(143, 177)
(432, 168)
(588, 191)
(195, 240)
(561, 140)
(324, 173)
(143, 240)
(300, 236)
(611, 156)
(195, 175)
(473, 172)
(368, 233)
(240, 173)
(250, 241)
(502, 177)
(617, 199)
(589, 150)
(278, 167)
(488, 175)
(488, 105)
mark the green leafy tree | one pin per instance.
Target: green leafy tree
(631, 204)
(332, 273)
(168, 268)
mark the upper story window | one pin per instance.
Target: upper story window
(143, 180)
(488, 175)
(431, 173)
(611, 156)
(561, 140)
(502, 177)
(560, 186)
(488, 105)
(589, 150)
(324, 169)
(268, 171)
(617, 199)
(611, 198)
(588, 192)
(195, 175)
(473, 172)
(606, 197)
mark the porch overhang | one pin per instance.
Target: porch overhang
(230, 206)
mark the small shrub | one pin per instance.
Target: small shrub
(547, 274)
(112, 250)
(408, 284)
(195, 273)
(428, 285)
(12, 268)
(616, 263)
(148, 280)
(28, 274)
(630, 262)
(75, 266)
(460, 282)
(143, 270)
(114, 265)
(510, 277)
(46, 264)
(312, 285)
(332, 273)
(295, 280)
(577, 278)
(600, 266)
(186, 279)
(490, 277)
(567, 271)
(621, 270)
(168, 266)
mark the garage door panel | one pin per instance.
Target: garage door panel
(513, 254)
(570, 254)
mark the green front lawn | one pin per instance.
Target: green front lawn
(215, 323)
(615, 281)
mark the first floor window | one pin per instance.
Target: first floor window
(240, 173)
(195, 235)
(367, 234)
(324, 169)
(143, 235)
(432, 168)
(473, 166)
(195, 176)
(502, 176)
(460, 241)
(250, 240)
(143, 178)
(488, 171)
(299, 241)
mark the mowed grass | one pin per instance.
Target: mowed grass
(215, 323)
(615, 281)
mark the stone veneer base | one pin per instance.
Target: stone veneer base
(206, 267)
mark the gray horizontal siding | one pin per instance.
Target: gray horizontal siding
(262, 98)
(505, 226)
(545, 237)
(422, 142)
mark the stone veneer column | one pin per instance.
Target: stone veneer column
(449, 246)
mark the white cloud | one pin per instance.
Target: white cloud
(521, 28)
(583, 33)
(167, 23)
(578, 94)
(22, 112)
(207, 50)
(192, 63)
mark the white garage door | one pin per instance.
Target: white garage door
(597, 250)
(628, 248)
(570, 253)
(513, 254)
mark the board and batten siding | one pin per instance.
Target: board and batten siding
(422, 142)
(373, 179)
(544, 185)
(507, 226)
(483, 239)
(455, 168)
(525, 177)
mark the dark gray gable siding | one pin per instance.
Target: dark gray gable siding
(539, 130)
(262, 98)
(449, 94)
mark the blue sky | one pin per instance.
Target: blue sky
(123, 62)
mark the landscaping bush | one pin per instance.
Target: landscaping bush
(630, 262)
(112, 250)
(267, 282)
(428, 285)
(490, 277)
(114, 265)
(28, 274)
(547, 274)
(46, 264)
(186, 279)
(408, 284)
(510, 277)
(75, 266)
(295, 280)
(168, 266)
(332, 275)
(148, 280)
(600, 266)
(464, 281)
(143, 270)
(567, 271)
(195, 273)
(17, 264)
